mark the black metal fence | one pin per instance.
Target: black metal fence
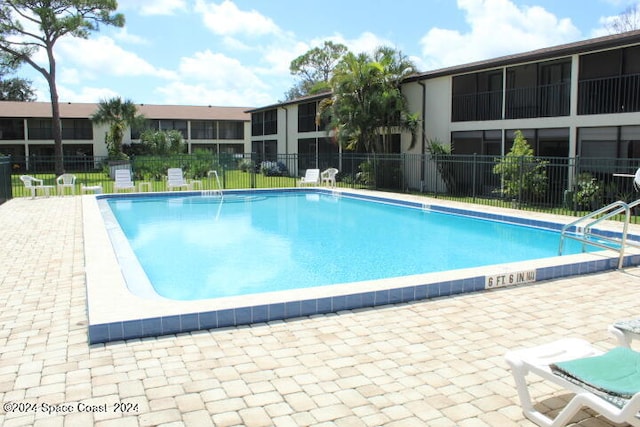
(5, 179)
(561, 185)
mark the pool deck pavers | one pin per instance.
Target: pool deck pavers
(430, 363)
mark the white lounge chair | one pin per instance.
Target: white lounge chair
(175, 179)
(66, 180)
(123, 180)
(329, 177)
(311, 177)
(565, 363)
(34, 185)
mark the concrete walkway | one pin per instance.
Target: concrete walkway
(431, 363)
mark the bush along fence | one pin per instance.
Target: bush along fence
(571, 186)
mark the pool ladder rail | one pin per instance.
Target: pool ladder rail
(581, 229)
(213, 193)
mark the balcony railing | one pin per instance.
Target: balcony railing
(540, 101)
(477, 106)
(609, 95)
(521, 103)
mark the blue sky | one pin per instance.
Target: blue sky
(237, 52)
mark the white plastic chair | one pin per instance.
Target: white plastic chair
(66, 180)
(123, 180)
(175, 179)
(329, 177)
(34, 185)
(538, 361)
(311, 177)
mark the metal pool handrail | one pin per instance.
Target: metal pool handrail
(583, 234)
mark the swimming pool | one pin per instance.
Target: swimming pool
(194, 247)
(148, 314)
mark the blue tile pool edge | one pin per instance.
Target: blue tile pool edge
(190, 322)
(230, 317)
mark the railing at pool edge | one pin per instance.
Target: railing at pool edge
(583, 233)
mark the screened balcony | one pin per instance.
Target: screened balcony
(609, 95)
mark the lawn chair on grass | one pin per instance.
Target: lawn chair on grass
(123, 181)
(64, 181)
(329, 177)
(311, 177)
(34, 185)
(608, 383)
(175, 179)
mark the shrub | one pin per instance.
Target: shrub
(524, 177)
(588, 191)
(366, 175)
(268, 168)
(246, 165)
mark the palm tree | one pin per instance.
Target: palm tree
(119, 116)
(367, 104)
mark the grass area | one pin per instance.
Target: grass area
(236, 179)
(233, 179)
(556, 210)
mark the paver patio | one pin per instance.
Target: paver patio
(431, 363)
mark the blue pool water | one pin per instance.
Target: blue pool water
(197, 247)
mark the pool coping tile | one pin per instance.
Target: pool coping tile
(145, 316)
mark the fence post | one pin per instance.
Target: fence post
(521, 181)
(5, 179)
(473, 181)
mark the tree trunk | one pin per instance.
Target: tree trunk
(56, 126)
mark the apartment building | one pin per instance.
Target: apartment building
(25, 128)
(580, 99)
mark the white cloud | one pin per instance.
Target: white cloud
(497, 27)
(218, 70)
(153, 7)
(366, 42)
(102, 56)
(202, 94)
(124, 36)
(85, 94)
(226, 19)
(208, 78)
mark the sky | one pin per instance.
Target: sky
(237, 52)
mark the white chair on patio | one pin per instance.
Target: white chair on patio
(607, 383)
(123, 181)
(34, 185)
(64, 181)
(311, 177)
(175, 179)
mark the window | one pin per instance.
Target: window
(166, 125)
(609, 82)
(11, 129)
(477, 96)
(307, 117)
(257, 123)
(265, 150)
(39, 129)
(271, 122)
(538, 90)
(203, 129)
(230, 129)
(77, 129)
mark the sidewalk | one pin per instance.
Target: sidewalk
(429, 363)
